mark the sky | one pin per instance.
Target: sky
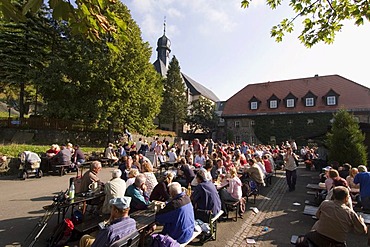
(225, 47)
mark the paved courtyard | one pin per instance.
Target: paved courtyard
(21, 205)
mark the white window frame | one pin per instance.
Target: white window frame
(310, 102)
(222, 120)
(237, 124)
(254, 105)
(237, 139)
(331, 100)
(310, 121)
(252, 123)
(290, 103)
(273, 104)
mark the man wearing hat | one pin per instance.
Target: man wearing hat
(118, 226)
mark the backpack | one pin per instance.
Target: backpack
(160, 240)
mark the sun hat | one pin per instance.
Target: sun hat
(121, 203)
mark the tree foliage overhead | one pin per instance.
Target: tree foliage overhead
(91, 18)
(346, 141)
(321, 19)
(85, 81)
(174, 107)
(202, 116)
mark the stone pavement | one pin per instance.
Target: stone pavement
(21, 207)
(278, 218)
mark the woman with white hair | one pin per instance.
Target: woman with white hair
(115, 188)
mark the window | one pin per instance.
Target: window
(254, 105)
(272, 122)
(290, 103)
(222, 120)
(237, 139)
(237, 124)
(309, 121)
(330, 100)
(253, 139)
(290, 122)
(272, 139)
(252, 123)
(310, 102)
(273, 104)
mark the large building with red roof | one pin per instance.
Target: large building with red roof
(273, 112)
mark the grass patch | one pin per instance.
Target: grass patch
(13, 150)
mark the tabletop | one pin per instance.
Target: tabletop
(315, 187)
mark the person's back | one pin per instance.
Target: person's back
(335, 221)
(115, 188)
(177, 216)
(206, 197)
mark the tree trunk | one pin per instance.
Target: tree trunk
(21, 102)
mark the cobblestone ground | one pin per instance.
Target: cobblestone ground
(268, 208)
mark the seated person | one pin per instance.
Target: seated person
(335, 221)
(218, 169)
(115, 188)
(91, 176)
(172, 156)
(186, 172)
(233, 193)
(255, 172)
(151, 180)
(208, 167)
(205, 195)
(119, 225)
(177, 216)
(131, 176)
(354, 188)
(344, 170)
(137, 191)
(63, 157)
(54, 149)
(160, 191)
(110, 154)
(78, 156)
(126, 166)
(363, 179)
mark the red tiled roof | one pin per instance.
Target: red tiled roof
(353, 96)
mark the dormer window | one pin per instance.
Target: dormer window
(310, 102)
(331, 98)
(290, 101)
(254, 103)
(309, 99)
(273, 102)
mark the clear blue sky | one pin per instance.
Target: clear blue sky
(225, 47)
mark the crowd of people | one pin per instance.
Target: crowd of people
(189, 190)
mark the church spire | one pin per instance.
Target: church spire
(163, 46)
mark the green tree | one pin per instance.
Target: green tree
(346, 141)
(321, 19)
(174, 107)
(202, 116)
(85, 81)
(24, 52)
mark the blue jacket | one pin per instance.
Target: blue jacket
(206, 197)
(363, 178)
(177, 218)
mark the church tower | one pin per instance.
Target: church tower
(163, 49)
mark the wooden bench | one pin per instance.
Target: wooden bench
(60, 167)
(233, 206)
(195, 234)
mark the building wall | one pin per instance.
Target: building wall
(274, 129)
